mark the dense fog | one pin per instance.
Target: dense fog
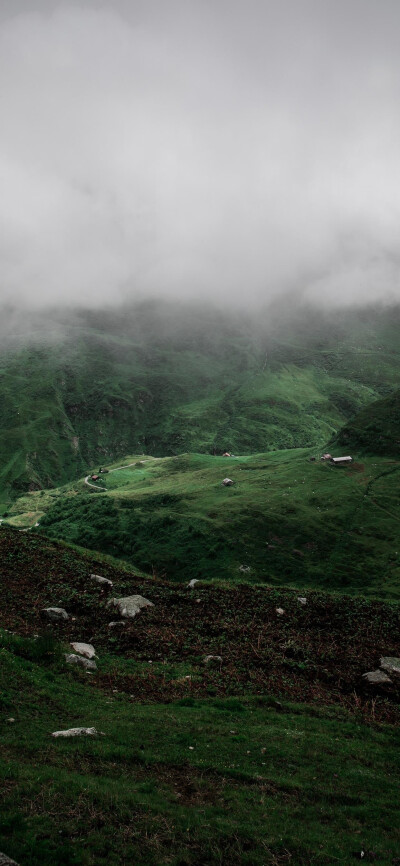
(208, 149)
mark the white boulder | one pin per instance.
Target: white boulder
(390, 664)
(84, 649)
(377, 678)
(6, 861)
(130, 606)
(77, 732)
(102, 580)
(72, 659)
(55, 614)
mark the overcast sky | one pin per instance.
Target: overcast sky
(232, 149)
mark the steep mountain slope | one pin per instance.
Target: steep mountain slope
(163, 379)
(374, 430)
(285, 520)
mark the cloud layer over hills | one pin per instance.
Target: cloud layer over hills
(219, 148)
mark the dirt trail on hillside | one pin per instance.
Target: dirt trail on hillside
(117, 469)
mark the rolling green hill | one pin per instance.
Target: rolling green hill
(285, 520)
(374, 430)
(166, 378)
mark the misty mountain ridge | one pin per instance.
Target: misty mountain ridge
(89, 386)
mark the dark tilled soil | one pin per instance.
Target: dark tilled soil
(315, 653)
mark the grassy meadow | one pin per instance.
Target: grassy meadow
(193, 781)
(285, 520)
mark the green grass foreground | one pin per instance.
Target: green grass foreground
(277, 753)
(218, 781)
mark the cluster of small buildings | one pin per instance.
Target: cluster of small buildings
(101, 472)
(335, 461)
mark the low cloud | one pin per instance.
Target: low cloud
(232, 150)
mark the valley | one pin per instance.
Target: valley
(165, 379)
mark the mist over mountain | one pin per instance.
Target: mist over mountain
(233, 151)
(198, 228)
(79, 388)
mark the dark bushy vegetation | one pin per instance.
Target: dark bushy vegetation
(43, 648)
(374, 430)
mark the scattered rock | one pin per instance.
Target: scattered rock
(244, 569)
(103, 580)
(119, 623)
(130, 606)
(55, 614)
(72, 659)
(227, 482)
(390, 664)
(6, 861)
(301, 599)
(84, 649)
(11, 719)
(280, 611)
(192, 583)
(376, 678)
(210, 659)
(77, 732)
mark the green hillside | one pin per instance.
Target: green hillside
(164, 378)
(374, 430)
(277, 752)
(285, 520)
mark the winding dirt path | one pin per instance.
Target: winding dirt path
(95, 487)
